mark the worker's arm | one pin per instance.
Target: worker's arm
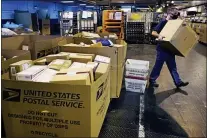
(156, 35)
(158, 29)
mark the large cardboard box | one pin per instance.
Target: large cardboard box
(117, 55)
(203, 33)
(178, 39)
(38, 45)
(34, 109)
(13, 56)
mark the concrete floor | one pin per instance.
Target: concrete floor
(168, 113)
(187, 108)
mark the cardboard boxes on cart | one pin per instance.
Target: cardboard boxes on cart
(38, 45)
(178, 39)
(55, 109)
(117, 55)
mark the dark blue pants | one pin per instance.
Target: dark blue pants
(163, 56)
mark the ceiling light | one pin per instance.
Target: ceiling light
(67, 1)
(82, 4)
(172, 2)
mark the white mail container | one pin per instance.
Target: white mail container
(137, 68)
(135, 85)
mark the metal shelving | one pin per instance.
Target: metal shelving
(113, 23)
(87, 21)
(66, 23)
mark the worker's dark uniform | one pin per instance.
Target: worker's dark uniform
(164, 56)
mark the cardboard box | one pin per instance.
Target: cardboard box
(117, 55)
(80, 58)
(78, 65)
(102, 59)
(92, 65)
(203, 33)
(178, 39)
(40, 61)
(38, 44)
(59, 110)
(13, 56)
(45, 76)
(60, 64)
(72, 79)
(30, 73)
(50, 58)
(18, 67)
(101, 69)
(82, 70)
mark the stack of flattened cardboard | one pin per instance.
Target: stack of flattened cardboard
(117, 55)
(71, 102)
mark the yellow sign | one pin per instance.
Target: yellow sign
(135, 16)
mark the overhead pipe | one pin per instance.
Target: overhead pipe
(88, 1)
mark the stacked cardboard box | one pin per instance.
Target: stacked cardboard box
(136, 75)
(203, 33)
(12, 56)
(19, 67)
(116, 53)
(70, 102)
(79, 67)
(38, 45)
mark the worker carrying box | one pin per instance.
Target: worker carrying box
(175, 38)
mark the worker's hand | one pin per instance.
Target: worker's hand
(160, 37)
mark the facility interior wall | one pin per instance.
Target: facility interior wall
(8, 8)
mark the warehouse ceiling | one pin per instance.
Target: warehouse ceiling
(178, 3)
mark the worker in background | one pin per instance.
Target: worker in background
(165, 56)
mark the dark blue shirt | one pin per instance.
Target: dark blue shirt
(158, 29)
